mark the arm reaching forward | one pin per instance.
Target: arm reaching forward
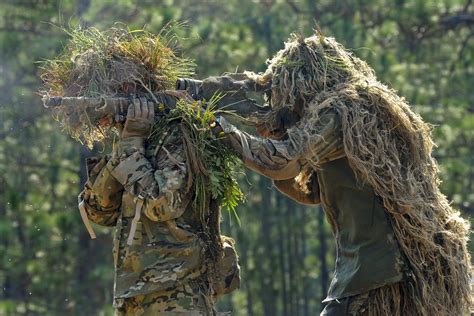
(283, 159)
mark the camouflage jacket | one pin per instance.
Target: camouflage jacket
(143, 191)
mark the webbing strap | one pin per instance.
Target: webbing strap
(245, 147)
(136, 218)
(148, 230)
(85, 220)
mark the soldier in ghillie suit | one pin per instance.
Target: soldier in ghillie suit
(155, 187)
(337, 136)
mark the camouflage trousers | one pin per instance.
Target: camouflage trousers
(184, 300)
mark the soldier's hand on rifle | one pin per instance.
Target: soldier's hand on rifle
(220, 127)
(215, 126)
(140, 118)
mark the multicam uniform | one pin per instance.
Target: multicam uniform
(144, 192)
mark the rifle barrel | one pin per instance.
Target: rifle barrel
(99, 107)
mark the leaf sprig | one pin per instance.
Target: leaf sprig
(215, 165)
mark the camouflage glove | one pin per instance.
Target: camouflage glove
(137, 127)
(140, 118)
(277, 126)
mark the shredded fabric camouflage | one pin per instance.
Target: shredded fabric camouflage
(363, 235)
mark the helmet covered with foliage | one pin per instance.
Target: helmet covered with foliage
(117, 62)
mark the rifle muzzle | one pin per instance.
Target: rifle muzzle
(193, 87)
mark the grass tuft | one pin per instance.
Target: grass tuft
(115, 62)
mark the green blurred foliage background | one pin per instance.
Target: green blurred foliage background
(48, 266)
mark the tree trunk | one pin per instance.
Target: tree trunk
(246, 275)
(323, 252)
(281, 254)
(85, 257)
(289, 252)
(295, 254)
(304, 274)
(265, 266)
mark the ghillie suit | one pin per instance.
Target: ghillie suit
(113, 63)
(178, 179)
(389, 147)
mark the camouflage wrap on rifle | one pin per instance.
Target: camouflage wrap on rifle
(232, 91)
(90, 110)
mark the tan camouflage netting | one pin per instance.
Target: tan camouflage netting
(388, 146)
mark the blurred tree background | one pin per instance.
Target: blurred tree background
(48, 266)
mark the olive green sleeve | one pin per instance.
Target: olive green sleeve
(232, 90)
(237, 84)
(281, 159)
(160, 191)
(101, 197)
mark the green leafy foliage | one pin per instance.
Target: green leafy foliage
(214, 175)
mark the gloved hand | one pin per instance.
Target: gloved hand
(276, 126)
(216, 128)
(140, 118)
(221, 127)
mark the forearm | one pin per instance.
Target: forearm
(271, 158)
(260, 156)
(317, 141)
(101, 197)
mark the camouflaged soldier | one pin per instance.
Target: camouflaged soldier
(336, 136)
(143, 192)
